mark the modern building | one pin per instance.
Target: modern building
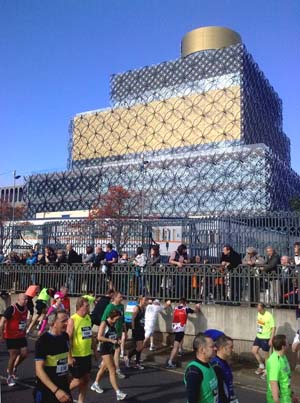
(198, 136)
(12, 194)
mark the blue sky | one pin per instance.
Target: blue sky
(57, 57)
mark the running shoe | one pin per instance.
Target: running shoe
(14, 374)
(122, 356)
(139, 366)
(96, 388)
(263, 375)
(259, 371)
(170, 365)
(120, 395)
(10, 381)
(152, 348)
(120, 374)
(180, 353)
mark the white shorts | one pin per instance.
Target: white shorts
(149, 332)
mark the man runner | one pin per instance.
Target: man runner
(265, 325)
(13, 328)
(180, 316)
(79, 330)
(279, 374)
(223, 371)
(51, 361)
(200, 378)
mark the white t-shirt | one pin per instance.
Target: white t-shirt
(151, 314)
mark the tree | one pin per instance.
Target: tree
(114, 213)
(295, 203)
(6, 211)
(7, 214)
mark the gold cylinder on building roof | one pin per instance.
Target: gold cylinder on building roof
(206, 38)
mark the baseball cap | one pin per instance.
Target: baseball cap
(58, 295)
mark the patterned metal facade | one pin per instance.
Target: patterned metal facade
(209, 127)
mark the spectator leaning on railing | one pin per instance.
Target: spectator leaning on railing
(180, 258)
(270, 267)
(230, 260)
(72, 255)
(253, 260)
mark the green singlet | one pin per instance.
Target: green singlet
(278, 369)
(209, 387)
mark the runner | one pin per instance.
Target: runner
(79, 330)
(51, 361)
(98, 311)
(180, 316)
(151, 315)
(200, 378)
(279, 373)
(265, 333)
(116, 304)
(66, 300)
(223, 371)
(138, 332)
(58, 297)
(128, 321)
(31, 292)
(108, 336)
(13, 328)
(41, 307)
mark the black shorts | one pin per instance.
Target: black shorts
(107, 348)
(42, 395)
(138, 334)
(128, 325)
(40, 306)
(16, 344)
(262, 343)
(179, 336)
(81, 367)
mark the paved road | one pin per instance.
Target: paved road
(153, 385)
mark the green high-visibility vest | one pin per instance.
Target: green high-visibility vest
(209, 386)
(43, 295)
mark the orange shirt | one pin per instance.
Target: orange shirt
(32, 291)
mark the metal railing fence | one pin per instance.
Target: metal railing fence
(197, 283)
(203, 236)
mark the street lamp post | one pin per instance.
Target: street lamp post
(13, 209)
(143, 167)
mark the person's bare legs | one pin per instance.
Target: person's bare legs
(174, 352)
(23, 354)
(82, 384)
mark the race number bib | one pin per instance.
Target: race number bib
(22, 325)
(62, 366)
(177, 327)
(113, 336)
(86, 332)
(259, 329)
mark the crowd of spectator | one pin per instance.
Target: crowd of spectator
(273, 275)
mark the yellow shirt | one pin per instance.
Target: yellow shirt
(264, 324)
(82, 336)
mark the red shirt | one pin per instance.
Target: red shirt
(15, 327)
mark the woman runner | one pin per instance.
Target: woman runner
(107, 335)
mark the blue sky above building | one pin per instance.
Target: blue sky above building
(57, 58)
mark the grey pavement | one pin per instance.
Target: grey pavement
(154, 384)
